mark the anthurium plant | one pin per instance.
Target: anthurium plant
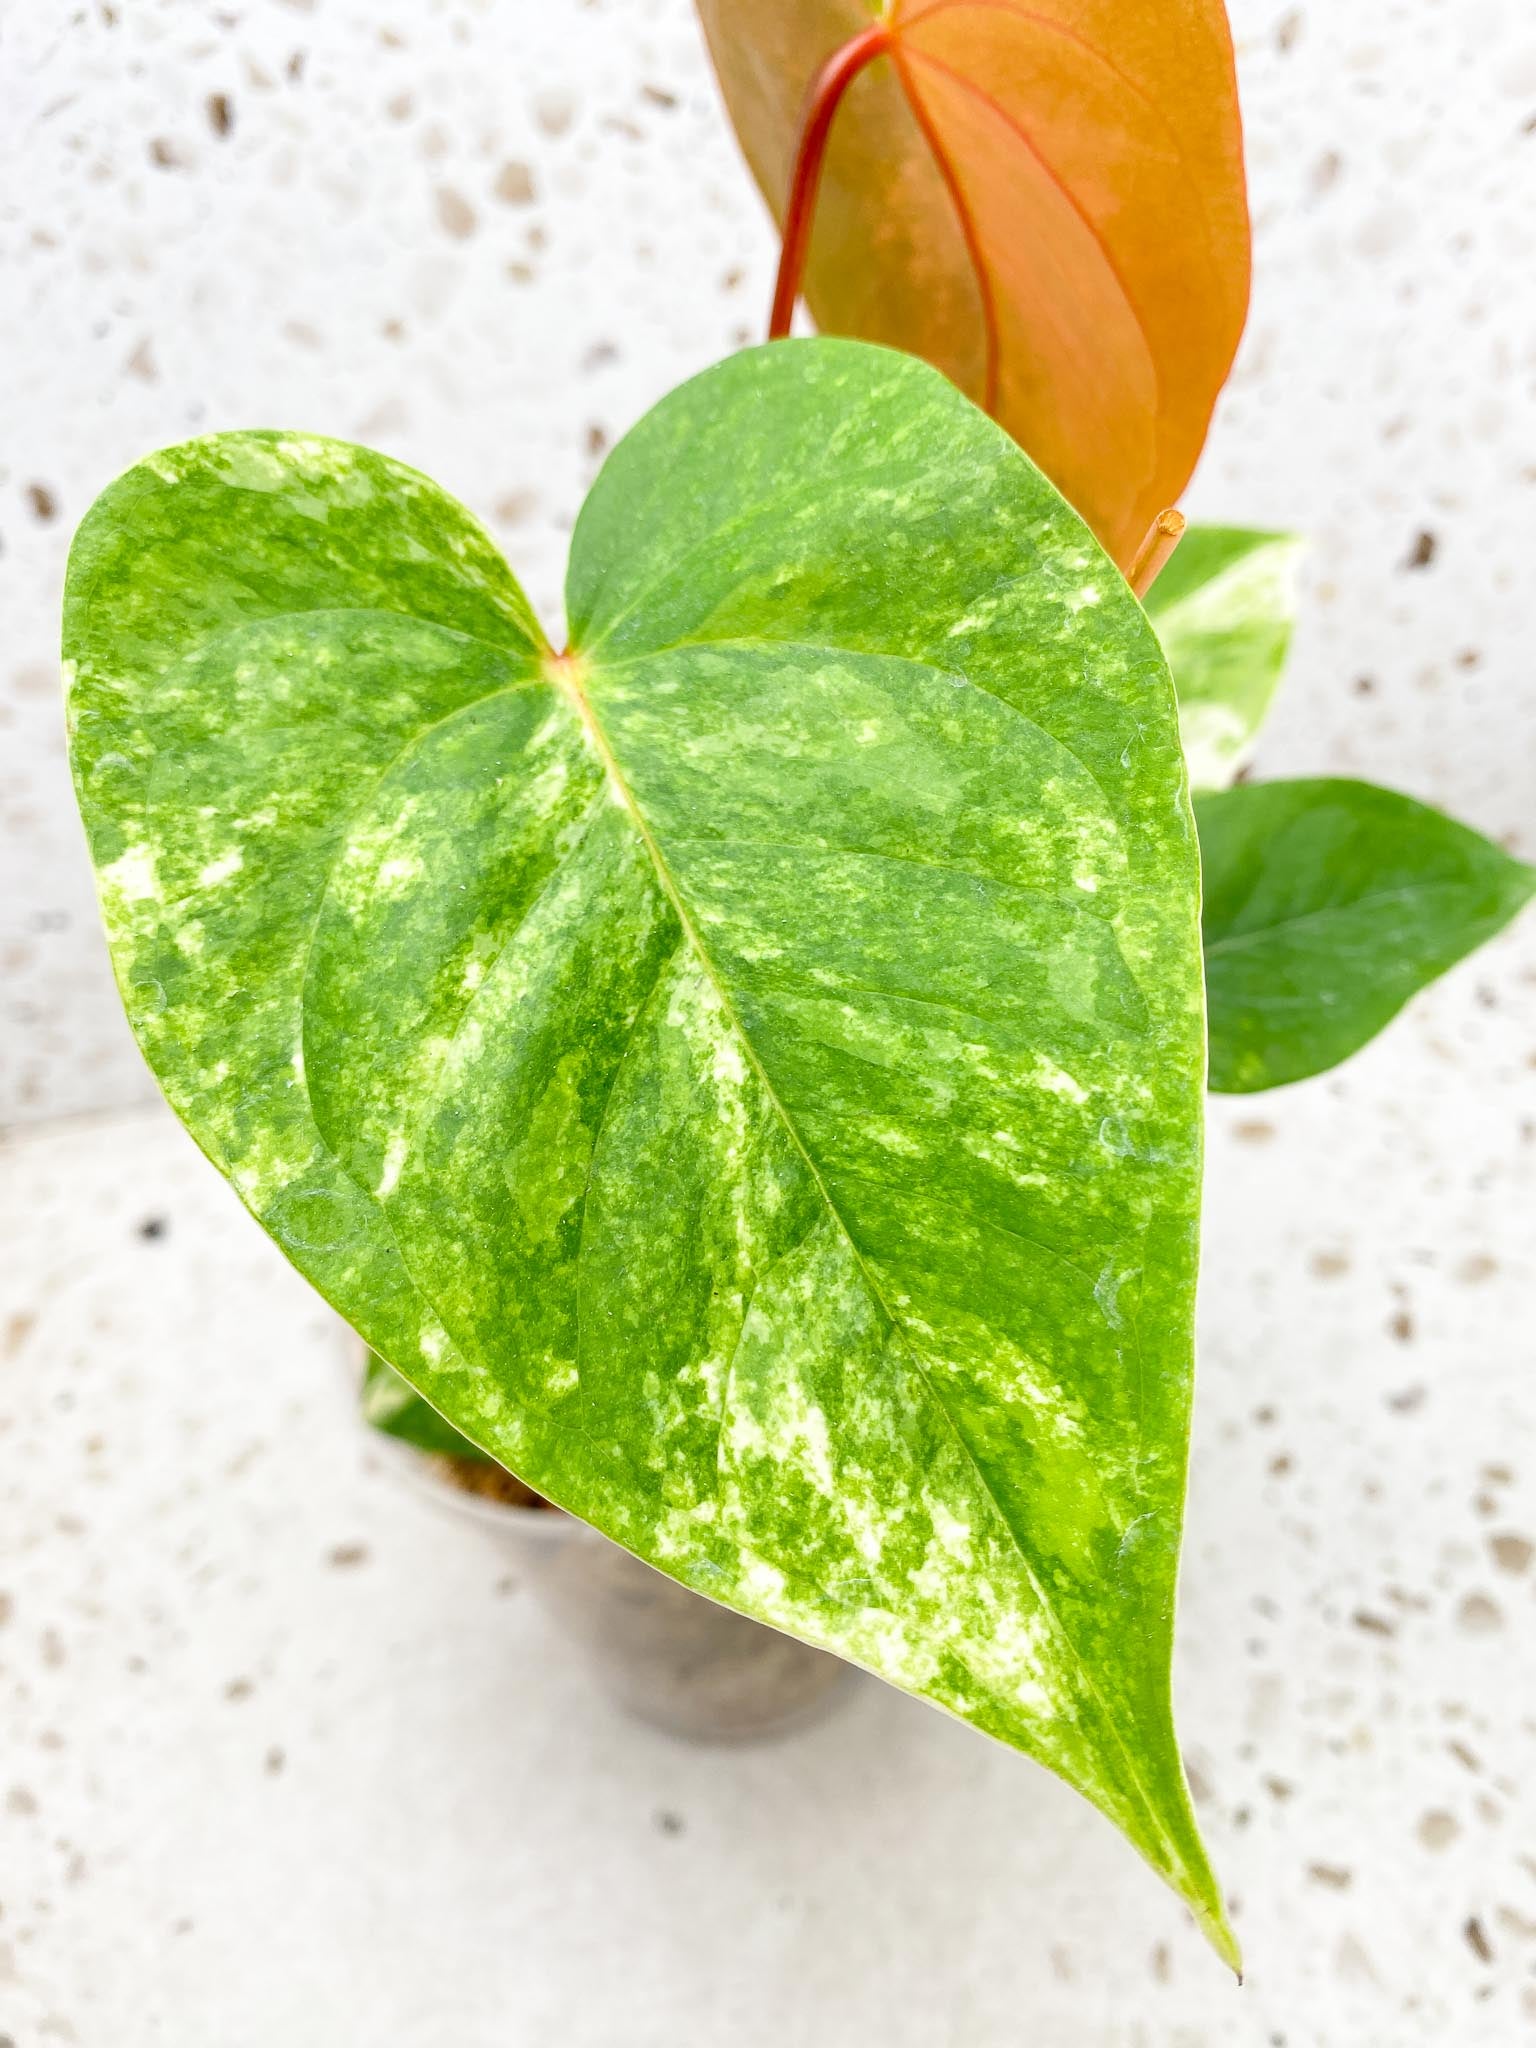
(743, 1069)
(1048, 202)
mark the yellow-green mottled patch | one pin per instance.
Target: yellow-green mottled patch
(547, 1169)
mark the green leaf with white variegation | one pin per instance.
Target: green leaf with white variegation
(1224, 609)
(1328, 904)
(746, 1072)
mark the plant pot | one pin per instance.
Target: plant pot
(666, 1655)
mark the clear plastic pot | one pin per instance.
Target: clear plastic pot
(666, 1655)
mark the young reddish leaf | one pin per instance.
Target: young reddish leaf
(1045, 198)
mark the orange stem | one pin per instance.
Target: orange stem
(1151, 558)
(821, 103)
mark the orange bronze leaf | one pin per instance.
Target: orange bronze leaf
(1045, 198)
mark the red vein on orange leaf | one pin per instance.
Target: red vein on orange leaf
(1016, 128)
(1055, 28)
(968, 231)
(1149, 100)
(821, 104)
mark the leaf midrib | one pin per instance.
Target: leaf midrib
(1016, 128)
(568, 679)
(1242, 941)
(1061, 897)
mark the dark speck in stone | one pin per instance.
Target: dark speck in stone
(1373, 1624)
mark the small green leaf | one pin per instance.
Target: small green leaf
(746, 1073)
(1223, 609)
(1329, 904)
(392, 1405)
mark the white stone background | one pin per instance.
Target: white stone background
(286, 1758)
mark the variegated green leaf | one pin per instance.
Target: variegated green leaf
(745, 1072)
(1224, 608)
(1328, 904)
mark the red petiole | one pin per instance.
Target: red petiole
(821, 104)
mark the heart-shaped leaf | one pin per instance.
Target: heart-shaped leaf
(745, 1072)
(1045, 200)
(1224, 608)
(1328, 904)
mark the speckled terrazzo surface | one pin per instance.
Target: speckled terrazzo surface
(257, 1704)
(261, 1707)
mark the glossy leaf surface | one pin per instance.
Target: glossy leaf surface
(1328, 904)
(747, 1073)
(1224, 609)
(1047, 201)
